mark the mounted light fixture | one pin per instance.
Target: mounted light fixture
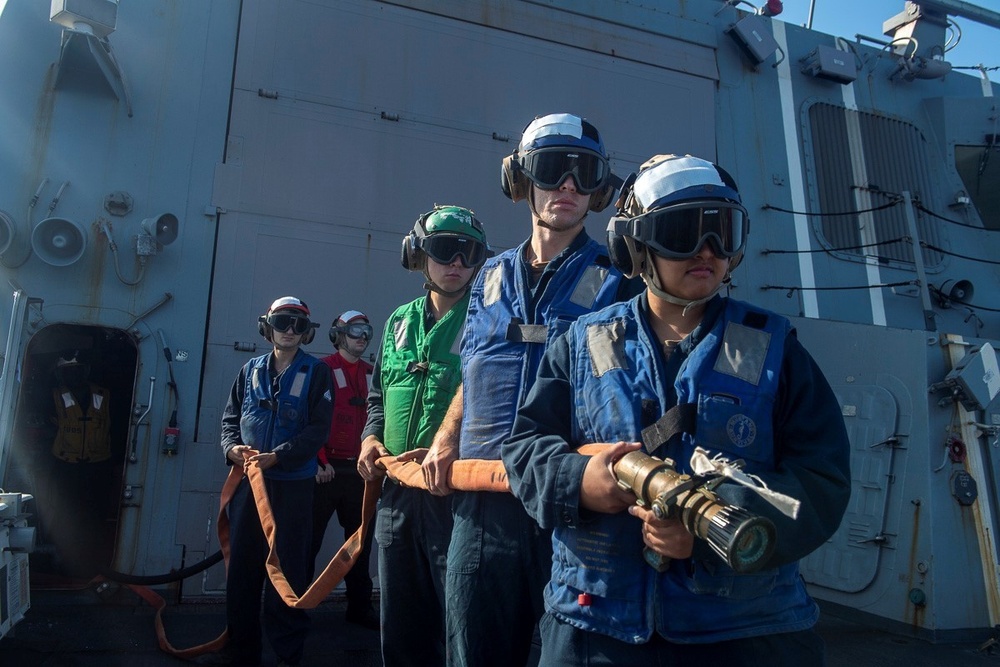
(826, 62)
(86, 58)
(752, 36)
(95, 17)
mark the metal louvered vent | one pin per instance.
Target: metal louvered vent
(862, 161)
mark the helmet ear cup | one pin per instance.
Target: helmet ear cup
(625, 253)
(310, 333)
(601, 199)
(411, 256)
(513, 183)
(335, 336)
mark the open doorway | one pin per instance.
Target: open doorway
(69, 447)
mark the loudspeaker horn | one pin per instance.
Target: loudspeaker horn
(956, 291)
(163, 228)
(59, 241)
(7, 232)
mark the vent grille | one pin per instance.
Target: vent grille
(893, 158)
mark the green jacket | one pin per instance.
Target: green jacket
(421, 371)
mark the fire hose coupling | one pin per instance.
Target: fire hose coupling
(743, 540)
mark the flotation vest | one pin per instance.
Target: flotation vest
(267, 421)
(350, 393)
(732, 375)
(506, 335)
(421, 371)
(82, 437)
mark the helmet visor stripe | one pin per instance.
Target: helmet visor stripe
(678, 232)
(548, 168)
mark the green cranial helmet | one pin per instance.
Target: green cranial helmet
(445, 234)
(454, 220)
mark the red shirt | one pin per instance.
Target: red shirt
(350, 409)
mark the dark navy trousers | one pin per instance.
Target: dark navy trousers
(566, 646)
(344, 494)
(499, 562)
(286, 628)
(413, 529)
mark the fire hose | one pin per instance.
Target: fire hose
(742, 539)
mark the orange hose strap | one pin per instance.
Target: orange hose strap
(332, 575)
(463, 475)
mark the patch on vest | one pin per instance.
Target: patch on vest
(298, 384)
(606, 344)
(590, 284)
(456, 345)
(742, 431)
(743, 353)
(493, 285)
(255, 379)
(399, 333)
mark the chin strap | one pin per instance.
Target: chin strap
(652, 280)
(430, 286)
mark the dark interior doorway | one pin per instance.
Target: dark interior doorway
(70, 446)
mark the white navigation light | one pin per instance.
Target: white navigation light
(94, 17)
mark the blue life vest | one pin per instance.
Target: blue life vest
(732, 374)
(505, 336)
(267, 419)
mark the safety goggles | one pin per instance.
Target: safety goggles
(358, 330)
(548, 168)
(443, 249)
(679, 232)
(282, 321)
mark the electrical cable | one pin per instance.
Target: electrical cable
(167, 578)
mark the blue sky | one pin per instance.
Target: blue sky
(845, 18)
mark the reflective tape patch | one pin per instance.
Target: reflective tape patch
(456, 345)
(298, 383)
(399, 333)
(606, 344)
(340, 378)
(590, 284)
(743, 352)
(493, 285)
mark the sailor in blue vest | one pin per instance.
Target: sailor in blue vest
(522, 299)
(754, 394)
(280, 406)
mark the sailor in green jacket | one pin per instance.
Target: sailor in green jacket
(416, 375)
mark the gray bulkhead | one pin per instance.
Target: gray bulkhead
(297, 141)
